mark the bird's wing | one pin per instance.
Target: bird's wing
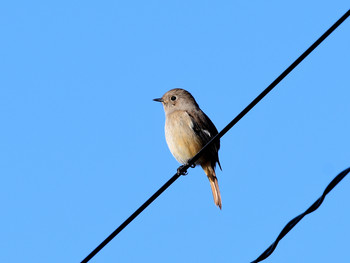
(205, 129)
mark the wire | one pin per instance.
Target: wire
(183, 169)
(296, 220)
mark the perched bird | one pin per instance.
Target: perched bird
(187, 130)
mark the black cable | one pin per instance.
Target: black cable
(296, 220)
(183, 169)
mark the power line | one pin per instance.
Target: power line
(296, 219)
(183, 169)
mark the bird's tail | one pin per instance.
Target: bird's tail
(210, 172)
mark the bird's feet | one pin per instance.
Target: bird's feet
(182, 170)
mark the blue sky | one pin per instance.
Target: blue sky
(82, 142)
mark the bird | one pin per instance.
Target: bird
(187, 130)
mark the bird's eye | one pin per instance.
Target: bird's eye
(173, 98)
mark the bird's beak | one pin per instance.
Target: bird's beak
(158, 99)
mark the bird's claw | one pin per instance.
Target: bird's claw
(181, 170)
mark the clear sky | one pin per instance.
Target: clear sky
(82, 143)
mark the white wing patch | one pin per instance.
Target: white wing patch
(207, 132)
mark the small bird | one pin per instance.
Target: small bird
(187, 130)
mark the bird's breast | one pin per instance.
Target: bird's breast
(182, 141)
